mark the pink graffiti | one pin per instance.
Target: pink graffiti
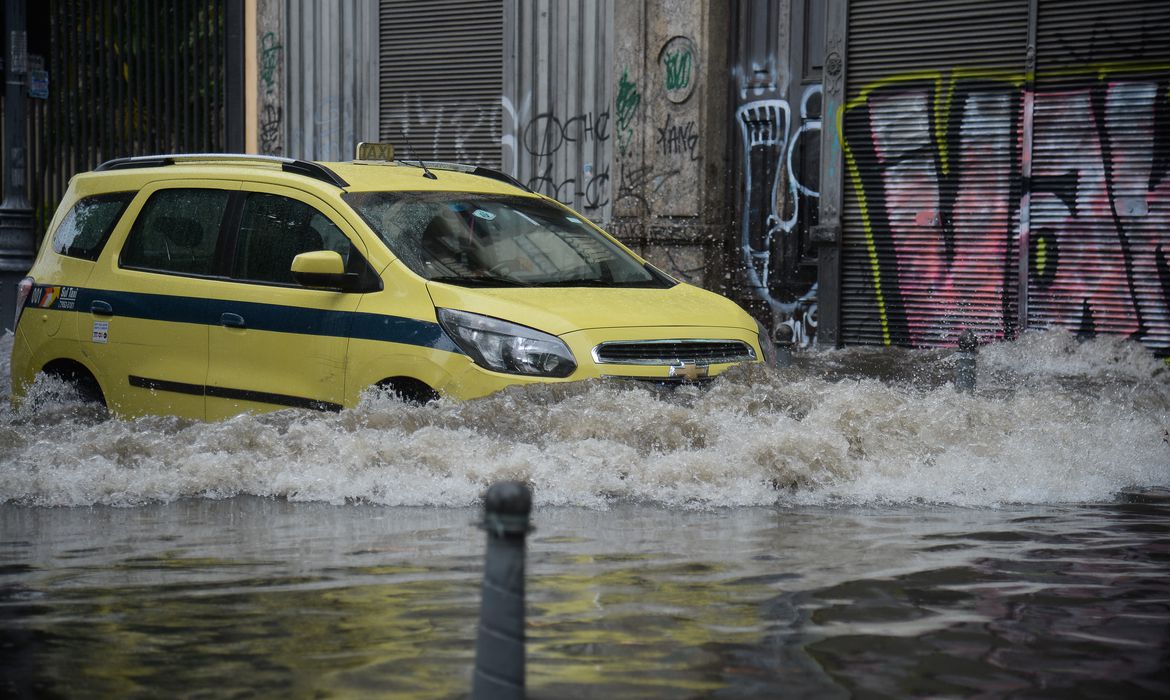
(956, 190)
(1111, 217)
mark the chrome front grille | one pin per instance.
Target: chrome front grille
(672, 352)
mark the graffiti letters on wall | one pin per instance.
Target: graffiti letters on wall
(958, 175)
(677, 137)
(678, 60)
(662, 184)
(778, 206)
(463, 133)
(626, 105)
(558, 154)
(607, 156)
(637, 182)
(674, 135)
(271, 134)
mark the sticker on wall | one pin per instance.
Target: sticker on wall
(101, 331)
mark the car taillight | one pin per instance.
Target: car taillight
(23, 289)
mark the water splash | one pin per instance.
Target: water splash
(1054, 420)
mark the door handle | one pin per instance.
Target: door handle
(101, 308)
(232, 320)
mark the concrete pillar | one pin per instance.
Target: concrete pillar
(670, 122)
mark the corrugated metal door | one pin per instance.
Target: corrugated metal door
(931, 136)
(1099, 228)
(441, 68)
(331, 103)
(558, 130)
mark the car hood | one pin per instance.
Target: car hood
(561, 310)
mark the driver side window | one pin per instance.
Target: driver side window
(274, 230)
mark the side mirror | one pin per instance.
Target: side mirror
(323, 269)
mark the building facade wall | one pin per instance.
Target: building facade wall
(852, 171)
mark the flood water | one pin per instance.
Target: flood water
(847, 527)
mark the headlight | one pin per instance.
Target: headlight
(766, 345)
(507, 347)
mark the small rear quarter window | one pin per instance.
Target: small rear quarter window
(84, 231)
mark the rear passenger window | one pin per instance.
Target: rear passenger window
(86, 227)
(177, 232)
(274, 230)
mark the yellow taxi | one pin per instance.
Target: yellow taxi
(209, 285)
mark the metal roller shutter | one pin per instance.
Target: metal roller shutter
(441, 67)
(558, 112)
(931, 139)
(1099, 233)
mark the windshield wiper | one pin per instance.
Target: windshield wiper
(589, 282)
(478, 281)
(581, 282)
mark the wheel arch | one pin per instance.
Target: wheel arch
(76, 373)
(409, 389)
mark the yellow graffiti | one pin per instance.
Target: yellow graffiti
(875, 270)
(1107, 70)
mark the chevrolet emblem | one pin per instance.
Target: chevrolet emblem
(689, 372)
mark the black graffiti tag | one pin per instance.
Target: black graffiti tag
(270, 130)
(546, 134)
(678, 139)
(594, 193)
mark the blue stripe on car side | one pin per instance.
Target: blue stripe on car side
(269, 317)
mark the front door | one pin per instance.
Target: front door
(274, 343)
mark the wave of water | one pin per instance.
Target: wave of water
(1054, 420)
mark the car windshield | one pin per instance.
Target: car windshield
(484, 240)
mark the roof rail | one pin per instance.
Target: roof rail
(470, 169)
(289, 165)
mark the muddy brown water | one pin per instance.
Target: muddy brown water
(847, 527)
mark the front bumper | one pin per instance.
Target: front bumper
(471, 381)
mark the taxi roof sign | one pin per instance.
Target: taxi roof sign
(372, 150)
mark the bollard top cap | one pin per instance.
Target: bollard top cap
(967, 341)
(508, 498)
(506, 507)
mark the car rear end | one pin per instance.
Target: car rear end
(45, 323)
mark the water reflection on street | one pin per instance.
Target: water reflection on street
(851, 526)
(260, 596)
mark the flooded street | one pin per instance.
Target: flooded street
(848, 526)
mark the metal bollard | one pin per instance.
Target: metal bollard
(499, 644)
(965, 362)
